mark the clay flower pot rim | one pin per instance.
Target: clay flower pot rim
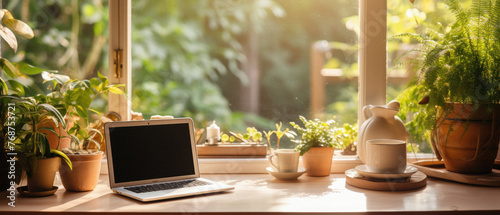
(94, 153)
(381, 141)
(471, 111)
(85, 157)
(312, 147)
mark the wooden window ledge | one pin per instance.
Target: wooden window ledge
(261, 193)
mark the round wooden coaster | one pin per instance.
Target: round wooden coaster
(416, 181)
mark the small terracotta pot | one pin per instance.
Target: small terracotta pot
(85, 173)
(318, 161)
(42, 178)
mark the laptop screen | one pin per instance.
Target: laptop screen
(151, 151)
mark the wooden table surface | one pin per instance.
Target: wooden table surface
(261, 193)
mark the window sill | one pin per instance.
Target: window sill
(261, 193)
(340, 164)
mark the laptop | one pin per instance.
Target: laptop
(153, 160)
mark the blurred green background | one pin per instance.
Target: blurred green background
(239, 62)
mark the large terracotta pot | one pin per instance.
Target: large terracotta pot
(85, 173)
(42, 178)
(318, 161)
(467, 140)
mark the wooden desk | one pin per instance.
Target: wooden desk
(262, 193)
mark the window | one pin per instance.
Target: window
(285, 91)
(283, 99)
(373, 52)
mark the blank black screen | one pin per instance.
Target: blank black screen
(150, 152)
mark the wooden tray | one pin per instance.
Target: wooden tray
(436, 169)
(232, 151)
(416, 181)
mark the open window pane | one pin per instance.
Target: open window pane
(243, 63)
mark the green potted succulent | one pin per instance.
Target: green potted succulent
(456, 94)
(316, 145)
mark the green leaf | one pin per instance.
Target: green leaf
(87, 84)
(8, 67)
(3, 86)
(43, 144)
(84, 99)
(48, 129)
(102, 77)
(17, 87)
(74, 128)
(115, 90)
(62, 156)
(31, 70)
(95, 82)
(54, 112)
(81, 112)
(83, 133)
(95, 111)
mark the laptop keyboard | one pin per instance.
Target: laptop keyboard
(166, 186)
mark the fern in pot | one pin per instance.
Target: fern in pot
(454, 99)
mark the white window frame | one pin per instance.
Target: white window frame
(371, 83)
(120, 39)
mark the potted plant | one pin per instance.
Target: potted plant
(20, 117)
(279, 134)
(34, 155)
(347, 135)
(458, 85)
(9, 70)
(74, 97)
(316, 145)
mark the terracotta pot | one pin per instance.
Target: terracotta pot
(85, 173)
(467, 140)
(53, 139)
(318, 161)
(42, 178)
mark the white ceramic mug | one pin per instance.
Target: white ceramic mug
(285, 160)
(386, 156)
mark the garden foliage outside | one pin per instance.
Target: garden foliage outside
(187, 55)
